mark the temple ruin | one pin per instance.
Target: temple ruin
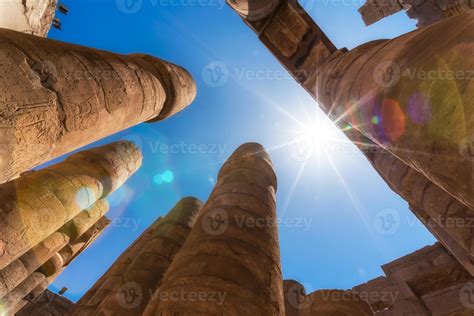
(223, 256)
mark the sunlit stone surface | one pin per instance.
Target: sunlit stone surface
(231, 258)
(36, 205)
(64, 96)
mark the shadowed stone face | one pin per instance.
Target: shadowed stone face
(230, 262)
(64, 96)
(38, 204)
(131, 288)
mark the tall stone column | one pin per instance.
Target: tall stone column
(411, 95)
(94, 297)
(448, 219)
(28, 16)
(57, 97)
(17, 271)
(77, 246)
(230, 263)
(140, 279)
(38, 204)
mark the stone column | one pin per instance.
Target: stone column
(140, 279)
(447, 218)
(91, 300)
(14, 297)
(28, 16)
(76, 247)
(383, 89)
(230, 263)
(38, 204)
(57, 97)
(20, 269)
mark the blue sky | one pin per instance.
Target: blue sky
(339, 221)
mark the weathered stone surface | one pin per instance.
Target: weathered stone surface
(386, 82)
(48, 304)
(335, 302)
(425, 11)
(253, 10)
(76, 227)
(28, 16)
(426, 282)
(14, 297)
(91, 300)
(230, 262)
(141, 277)
(77, 246)
(17, 271)
(295, 297)
(38, 204)
(58, 97)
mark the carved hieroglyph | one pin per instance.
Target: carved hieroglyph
(56, 97)
(231, 258)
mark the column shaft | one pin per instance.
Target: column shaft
(38, 204)
(140, 279)
(91, 300)
(411, 95)
(230, 263)
(57, 97)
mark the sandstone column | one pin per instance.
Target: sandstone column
(140, 279)
(230, 263)
(411, 95)
(57, 97)
(91, 300)
(17, 271)
(295, 297)
(38, 204)
(448, 219)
